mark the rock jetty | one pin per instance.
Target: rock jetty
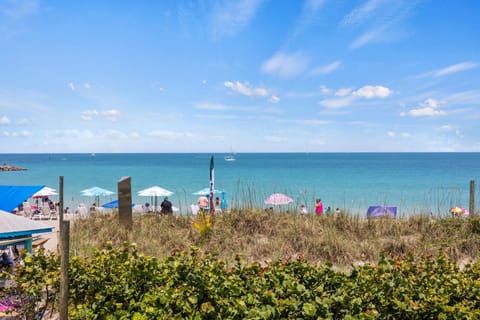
(5, 167)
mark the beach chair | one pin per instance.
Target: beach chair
(46, 212)
(27, 210)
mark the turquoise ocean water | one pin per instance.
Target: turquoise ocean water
(415, 182)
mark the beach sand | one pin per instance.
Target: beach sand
(52, 243)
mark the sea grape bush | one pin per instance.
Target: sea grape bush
(121, 283)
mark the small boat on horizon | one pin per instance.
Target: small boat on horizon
(229, 158)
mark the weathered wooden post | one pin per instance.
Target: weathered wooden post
(64, 245)
(471, 207)
(125, 202)
(64, 262)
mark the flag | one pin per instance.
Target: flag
(212, 182)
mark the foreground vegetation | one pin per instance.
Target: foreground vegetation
(259, 236)
(259, 265)
(121, 283)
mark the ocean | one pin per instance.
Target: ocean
(417, 183)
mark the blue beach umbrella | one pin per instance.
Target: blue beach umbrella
(97, 193)
(112, 205)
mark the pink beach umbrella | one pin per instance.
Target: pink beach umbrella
(278, 199)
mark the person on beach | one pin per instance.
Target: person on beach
(318, 207)
(6, 262)
(203, 202)
(217, 202)
(303, 209)
(166, 206)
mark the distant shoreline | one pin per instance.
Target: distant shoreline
(5, 167)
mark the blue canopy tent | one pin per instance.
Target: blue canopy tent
(381, 212)
(13, 196)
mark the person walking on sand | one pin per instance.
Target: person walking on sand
(318, 207)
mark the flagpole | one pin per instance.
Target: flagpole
(212, 182)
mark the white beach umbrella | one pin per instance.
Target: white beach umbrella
(45, 192)
(156, 192)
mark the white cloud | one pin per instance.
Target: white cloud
(87, 86)
(312, 122)
(343, 92)
(170, 134)
(74, 133)
(115, 135)
(88, 115)
(326, 69)
(210, 106)
(337, 103)
(373, 35)
(455, 68)
(275, 139)
(4, 120)
(71, 85)
(18, 134)
(233, 16)
(372, 92)
(447, 128)
(360, 14)
(285, 65)
(274, 99)
(318, 142)
(157, 85)
(347, 96)
(111, 114)
(403, 135)
(427, 109)
(246, 89)
(325, 90)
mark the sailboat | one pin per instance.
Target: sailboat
(230, 157)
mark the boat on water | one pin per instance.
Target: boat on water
(229, 158)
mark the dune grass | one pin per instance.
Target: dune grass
(260, 236)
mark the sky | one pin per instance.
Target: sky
(226, 76)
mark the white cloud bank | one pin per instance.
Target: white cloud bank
(247, 90)
(111, 114)
(347, 96)
(429, 108)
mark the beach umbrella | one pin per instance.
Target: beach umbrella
(456, 211)
(112, 205)
(278, 199)
(156, 192)
(45, 192)
(97, 193)
(381, 211)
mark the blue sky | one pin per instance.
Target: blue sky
(247, 75)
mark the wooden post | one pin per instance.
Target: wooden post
(64, 262)
(60, 200)
(125, 202)
(471, 207)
